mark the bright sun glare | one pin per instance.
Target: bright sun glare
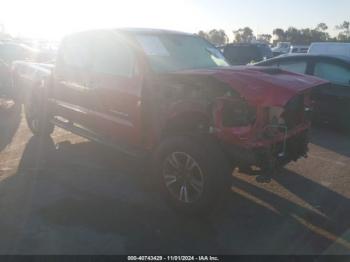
(54, 19)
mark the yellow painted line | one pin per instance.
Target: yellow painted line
(254, 199)
(322, 232)
(287, 195)
(316, 229)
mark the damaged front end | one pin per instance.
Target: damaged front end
(260, 116)
(268, 128)
(267, 137)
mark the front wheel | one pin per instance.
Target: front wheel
(193, 173)
(37, 115)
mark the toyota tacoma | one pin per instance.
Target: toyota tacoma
(172, 97)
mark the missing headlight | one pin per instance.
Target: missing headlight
(237, 113)
(275, 116)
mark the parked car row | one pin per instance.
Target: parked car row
(329, 61)
(5, 79)
(299, 49)
(332, 102)
(286, 47)
(173, 98)
(11, 52)
(281, 48)
(245, 53)
(329, 48)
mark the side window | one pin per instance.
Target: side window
(294, 66)
(76, 53)
(333, 73)
(113, 57)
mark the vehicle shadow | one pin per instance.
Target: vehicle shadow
(10, 119)
(95, 189)
(333, 205)
(313, 226)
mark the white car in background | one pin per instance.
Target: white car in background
(281, 48)
(330, 48)
(299, 49)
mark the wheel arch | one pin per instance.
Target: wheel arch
(186, 122)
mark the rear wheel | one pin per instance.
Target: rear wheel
(37, 115)
(193, 173)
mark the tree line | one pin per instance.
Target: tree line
(304, 36)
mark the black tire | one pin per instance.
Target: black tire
(36, 113)
(212, 163)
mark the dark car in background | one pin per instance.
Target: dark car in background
(10, 52)
(5, 73)
(332, 102)
(245, 53)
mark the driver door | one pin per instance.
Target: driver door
(116, 89)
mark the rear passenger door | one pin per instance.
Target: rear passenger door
(116, 89)
(335, 98)
(71, 90)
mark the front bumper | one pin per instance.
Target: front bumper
(271, 155)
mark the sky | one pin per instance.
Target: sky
(52, 19)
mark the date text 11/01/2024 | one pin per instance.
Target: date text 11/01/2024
(173, 258)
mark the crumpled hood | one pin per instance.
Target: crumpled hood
(261, 86)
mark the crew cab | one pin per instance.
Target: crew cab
(172, 97)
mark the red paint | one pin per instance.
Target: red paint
(260, 88)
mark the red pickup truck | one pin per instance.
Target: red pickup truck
(171, 96)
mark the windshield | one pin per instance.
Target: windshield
(175, 52)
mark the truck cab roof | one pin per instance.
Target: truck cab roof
(150, 31)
